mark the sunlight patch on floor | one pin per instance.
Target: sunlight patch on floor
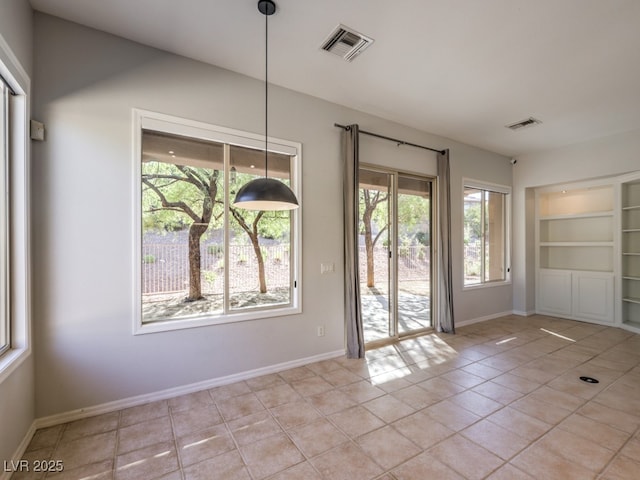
(557, 335)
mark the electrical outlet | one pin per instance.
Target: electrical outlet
(321, 330)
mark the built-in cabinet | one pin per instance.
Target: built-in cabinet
(575, 252)
(588, 251)
(630, 251)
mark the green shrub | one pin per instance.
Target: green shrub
(209, 276)
(215, 250)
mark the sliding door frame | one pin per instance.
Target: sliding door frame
(395, 335)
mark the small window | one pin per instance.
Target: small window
(486, 246)
(5, 320)
(202, 260)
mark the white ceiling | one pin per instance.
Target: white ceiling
(462, 69)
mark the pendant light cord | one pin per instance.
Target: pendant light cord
(266, 94)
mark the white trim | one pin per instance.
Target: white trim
(480, 185)
(508, 250)
(19, 453)
(12, 70)
(206, 131)
(471, 321)
(15, 75)
(203, 321)
(5, 219)
(478, 286)
(522, 313)
(192, 128)
(176, 391)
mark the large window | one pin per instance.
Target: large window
(486, 246)
(5, 320)
(202, 260)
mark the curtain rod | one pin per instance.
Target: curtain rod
(395, 140)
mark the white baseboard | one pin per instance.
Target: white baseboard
(482, 319)
(522, 313)
(174, 392)
(17, 456)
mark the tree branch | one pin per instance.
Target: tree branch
(193, 179)
(171, 205)
(162, 176)
(255, 222)
(240, 220)
(379, 233)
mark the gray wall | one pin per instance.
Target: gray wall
(16, 28)
(87, 82)
(17, 390)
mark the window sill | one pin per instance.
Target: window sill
(207, 320)
(11, 360)
(486, 285)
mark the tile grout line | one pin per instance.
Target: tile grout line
(176, 444)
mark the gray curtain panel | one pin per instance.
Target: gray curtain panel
(445, 321)
(352, 306)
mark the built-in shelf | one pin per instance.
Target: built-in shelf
(608, 213)
(635, 326)
(575, 251)
(588, 251)
(630, 246)
(578, 244)
(592, 230)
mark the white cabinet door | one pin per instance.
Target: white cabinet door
(554, 292)
(592, 294)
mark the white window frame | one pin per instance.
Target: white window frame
(144, 119)
(496, 188)
(19, 290)
(5, 219)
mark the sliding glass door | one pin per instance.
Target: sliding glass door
(395, 253)
(413, 254)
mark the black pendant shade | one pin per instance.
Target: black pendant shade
(266, 193)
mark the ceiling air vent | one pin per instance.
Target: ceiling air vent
(346, 43)
(529, 122)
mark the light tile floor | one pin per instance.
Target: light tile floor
(500, 400)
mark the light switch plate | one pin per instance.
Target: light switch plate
(327, 268)
(37, 130)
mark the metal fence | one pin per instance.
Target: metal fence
(165, 268)
(472, 261)
(413, 263)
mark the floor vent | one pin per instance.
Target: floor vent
(529, 122)
(589, 380)
(346, 43)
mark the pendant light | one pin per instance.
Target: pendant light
(266, 193)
